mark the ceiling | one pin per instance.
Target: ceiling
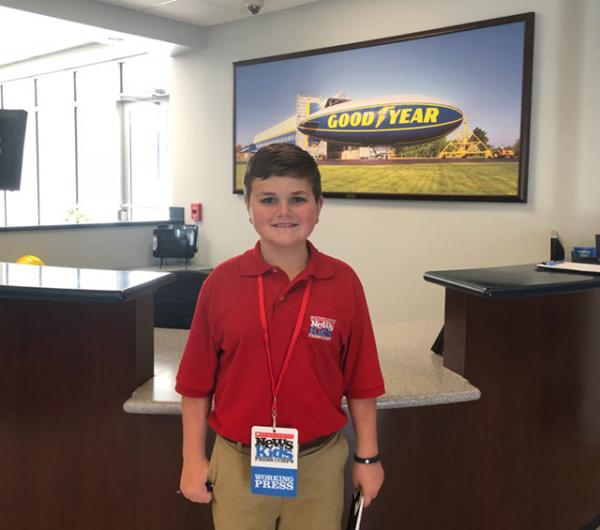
(203, 12)
(54, 34)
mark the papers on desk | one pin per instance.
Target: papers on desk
(568, 266)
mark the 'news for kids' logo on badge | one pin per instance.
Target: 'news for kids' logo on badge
(321, 328)
(274, 462)
(274, 448)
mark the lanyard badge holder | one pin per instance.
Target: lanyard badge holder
(274, 461)
(274, 450)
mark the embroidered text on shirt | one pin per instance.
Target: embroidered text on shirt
(321, 327)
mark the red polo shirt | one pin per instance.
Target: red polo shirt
(335, 354)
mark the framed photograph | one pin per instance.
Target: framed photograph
(436, 115)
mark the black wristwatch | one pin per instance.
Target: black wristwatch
(370, 460)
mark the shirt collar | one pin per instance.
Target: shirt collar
(253, 264)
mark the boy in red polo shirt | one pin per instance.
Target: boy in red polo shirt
(279, 336)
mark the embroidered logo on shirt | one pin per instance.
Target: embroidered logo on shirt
(321, 328)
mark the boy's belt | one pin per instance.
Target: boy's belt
(312, 444)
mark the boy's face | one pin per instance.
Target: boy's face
(283, 210)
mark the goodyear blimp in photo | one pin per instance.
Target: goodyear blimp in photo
(382, 121)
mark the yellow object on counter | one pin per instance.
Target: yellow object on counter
(28, 259)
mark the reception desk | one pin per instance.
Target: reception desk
(527, 454)
(74, 344)
(79, 346)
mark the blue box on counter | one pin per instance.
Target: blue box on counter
(584, 252)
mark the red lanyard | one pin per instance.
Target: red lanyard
(276, 385)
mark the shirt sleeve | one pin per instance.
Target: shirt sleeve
(362, 373)
(198, 366)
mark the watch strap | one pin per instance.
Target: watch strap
(370, 460)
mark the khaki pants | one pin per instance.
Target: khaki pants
(318, 506)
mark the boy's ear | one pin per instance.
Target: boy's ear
(250, 219)
(247, 203)
(319, 206)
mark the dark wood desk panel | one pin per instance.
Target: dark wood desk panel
(536, 428)
(74, 344)
(67, 445)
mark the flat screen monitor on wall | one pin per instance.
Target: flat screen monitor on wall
(12, 137)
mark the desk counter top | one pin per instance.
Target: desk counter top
(414, 376)
(513, 281)
(77, 285)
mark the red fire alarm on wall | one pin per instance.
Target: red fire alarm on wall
(196, 211)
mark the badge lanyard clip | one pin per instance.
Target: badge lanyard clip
(276, 385)
(274, 413)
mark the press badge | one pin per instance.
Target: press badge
(274, 461)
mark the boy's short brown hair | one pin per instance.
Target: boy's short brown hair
(282, 160)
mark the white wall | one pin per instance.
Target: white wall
(391, 243)
(103, 248)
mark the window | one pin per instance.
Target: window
(146, 129)
(98, 143)
(96, 146)
(54, 118)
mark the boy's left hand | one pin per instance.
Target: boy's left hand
(369, 478)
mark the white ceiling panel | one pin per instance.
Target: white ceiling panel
(51, 35)
(134, 4)
(198, 12)
(203, 12)
(55, 35)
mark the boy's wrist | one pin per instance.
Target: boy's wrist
(367, 460)
(366, 446)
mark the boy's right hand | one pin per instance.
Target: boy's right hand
(194, 476)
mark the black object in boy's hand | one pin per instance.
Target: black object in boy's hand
(356, 508)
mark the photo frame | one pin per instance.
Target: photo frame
(436, 115)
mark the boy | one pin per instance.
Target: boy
(279, 335)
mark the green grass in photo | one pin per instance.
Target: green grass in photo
(451, 178)
(240, 169)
